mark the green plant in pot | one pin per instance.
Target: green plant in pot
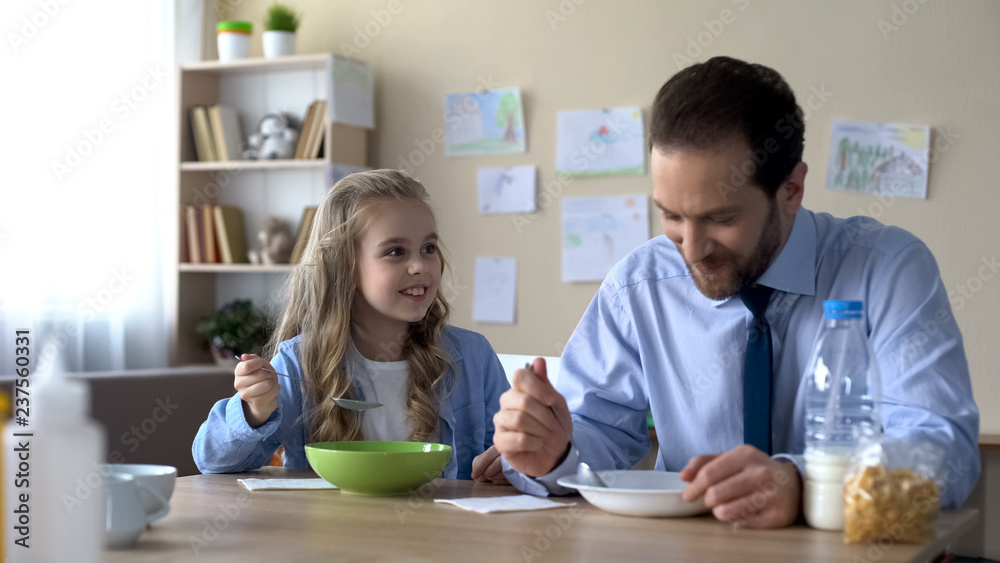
(279, 30)
(236, 328)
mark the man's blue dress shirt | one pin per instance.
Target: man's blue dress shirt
(651, 340)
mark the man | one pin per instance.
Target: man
(671, 328)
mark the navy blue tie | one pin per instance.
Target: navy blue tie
(757, 371)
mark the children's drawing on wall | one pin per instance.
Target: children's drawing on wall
(506, 190)
(484, 123)
(350, 98)
(496, 290)
(600, 231)
(879, 158)
(602, 142)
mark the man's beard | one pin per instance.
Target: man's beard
(736, 273)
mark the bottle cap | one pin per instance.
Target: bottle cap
(833, 309)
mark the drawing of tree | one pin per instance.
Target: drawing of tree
(509, 116)
(843, 151)
(845, 147)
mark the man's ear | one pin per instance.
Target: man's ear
(789, 197)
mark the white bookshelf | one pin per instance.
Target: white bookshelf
(281, 188)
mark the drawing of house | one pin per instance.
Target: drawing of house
(898, 175)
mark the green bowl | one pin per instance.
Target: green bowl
(378, 468)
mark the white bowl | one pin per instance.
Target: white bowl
(638, 493)
(160, 478)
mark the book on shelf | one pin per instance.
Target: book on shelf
(232, 237)
(204, 142)
(227, 134)
(305, 227)
(211, 250)
(214, 234)
(300, 149)
(319, 145)
(313, 131)
(318, 131)
(193, 221)
(185, 255)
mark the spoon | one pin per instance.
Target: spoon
(587, 476)
(349, 404)
(353, 405)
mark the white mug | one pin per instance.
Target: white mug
(126, 517)
(160, 478)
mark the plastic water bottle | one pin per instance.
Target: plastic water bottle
(843, 392)
(54, 494)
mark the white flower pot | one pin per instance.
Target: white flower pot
(233, 46)
(279, 43)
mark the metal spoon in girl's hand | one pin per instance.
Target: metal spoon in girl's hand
(349, 404)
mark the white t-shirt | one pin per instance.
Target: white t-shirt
(383, 382)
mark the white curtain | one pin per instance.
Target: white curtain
(87, 179)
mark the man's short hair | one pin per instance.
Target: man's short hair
(725, 99)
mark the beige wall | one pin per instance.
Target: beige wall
(938, 67)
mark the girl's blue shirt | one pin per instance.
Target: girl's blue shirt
(226, 443)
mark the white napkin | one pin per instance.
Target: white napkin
(485, 505)
(287, 484)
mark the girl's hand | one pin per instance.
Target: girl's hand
(486, 468)
(258, 387)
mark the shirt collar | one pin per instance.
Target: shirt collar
(794, 270)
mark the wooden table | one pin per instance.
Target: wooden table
(213, 518)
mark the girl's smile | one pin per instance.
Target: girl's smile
(416, 292)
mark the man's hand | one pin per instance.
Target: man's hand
(486, 468)
(527, 432)
(745, 486)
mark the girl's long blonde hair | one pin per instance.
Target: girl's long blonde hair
(320, 293)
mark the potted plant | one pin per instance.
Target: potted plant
(236, 328)
(279, 30)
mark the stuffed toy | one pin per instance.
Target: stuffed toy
(275, 138)
(276, 243)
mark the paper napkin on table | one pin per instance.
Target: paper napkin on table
(484, 505)
(287, 484)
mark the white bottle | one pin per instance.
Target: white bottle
(54, 495)
(842, 405)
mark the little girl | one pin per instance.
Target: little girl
(365, 320)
